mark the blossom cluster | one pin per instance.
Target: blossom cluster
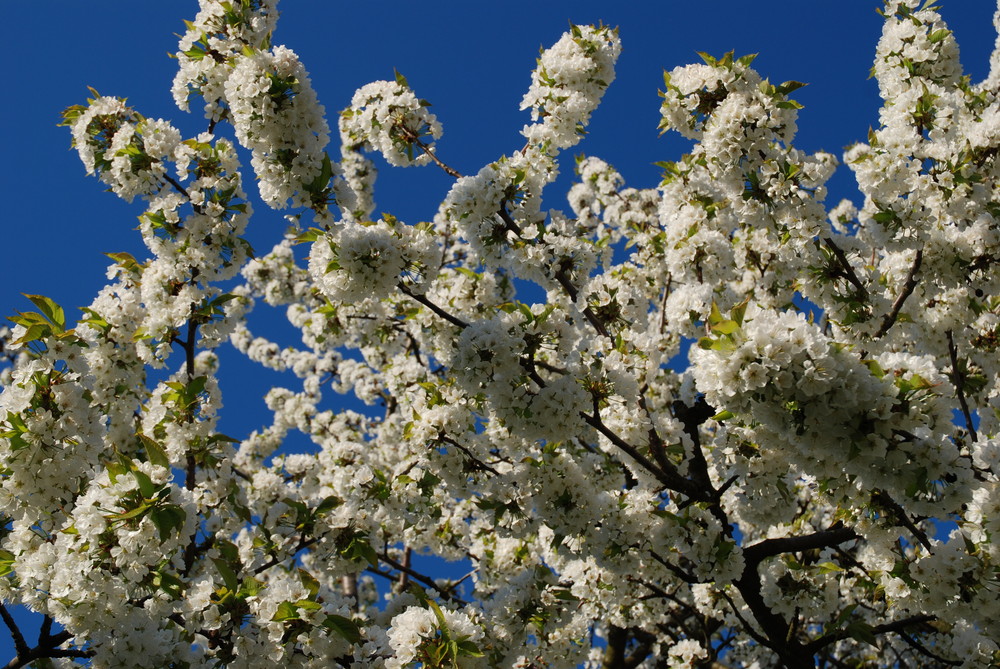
(528, 477)
(387, 117)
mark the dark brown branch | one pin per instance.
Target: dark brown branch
(836, 535)
(20, 645)
(191, 473)
(422, 299)
(674, 569)
(640, 652)
(958, 380)
(179, 188)
(671, 480)
(303, 543)
(48, 645)
(780, 634)
(905, 292)
(692, 418)
(614, 653)
(922, 649)
(567, 285)
(847, 269)
(411, 136)
(508, 222)
(897, 626)
(478, 464)
(404, 576)
(656, 446)
(446, 593)
(883, 498)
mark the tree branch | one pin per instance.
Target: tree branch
(477, 463)
(908, 286)
(958, 380)
(897, 626)
(411, 136)
(422, 299)
(836, 535)
(847, 269)
(303, 543)
(780, 634)
(20, 645)
(882, 497)
(446, 593)
(48, 644)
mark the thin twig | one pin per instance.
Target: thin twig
(882, 497)
(908, 286)
(896, 626)
(756, 636)
(303, 543)
(479, 464)
(572, 292)
(417, 576)
(677, 484)
(958, 380)
(920, 648)
(422, 299)
(413, 137)
(677, 571)
(848, 270)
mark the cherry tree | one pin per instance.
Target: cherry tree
(817, 484)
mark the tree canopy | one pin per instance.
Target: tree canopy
(718, 422)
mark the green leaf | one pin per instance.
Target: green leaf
(715, 316)
(286, 611)
(789, 104)
(829, 567)
(564, 595)
(400, 79)
(309, 582)
(739, 311)
(308, 605)
(726, 327)
(229, 576)
(874, 368)
(343, 627)
(146, 486)
(790, 86)
(328, 504)
(469, 648)
(250, 587)
(168, 583)
(6, 562)
(938, 35)
(133, 513)
(442, 624)
(154, 452)
(861, 631)
(725, 414)
(53, 312)
(228, 550)
(126, 261)
(310, 235)
(168, 518)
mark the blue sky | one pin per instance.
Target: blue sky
(471, 60)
